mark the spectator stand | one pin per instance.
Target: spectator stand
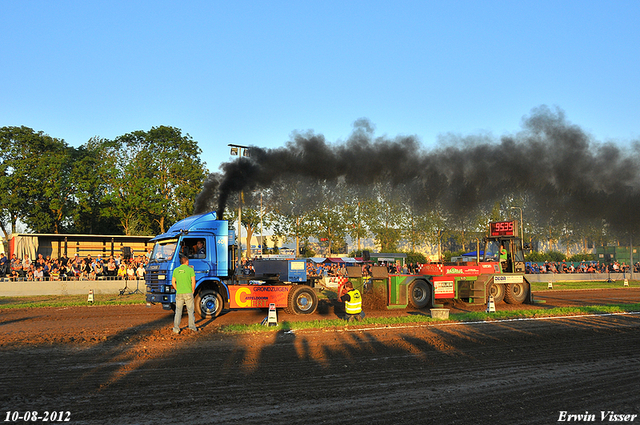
(330, 272)
(559, 271)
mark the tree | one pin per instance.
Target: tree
(12, 199)
(153, 175)
(330, 226)
(251, 222)
(37, 185)
(437, 221)
(91, 193)
(418, 228)
(293, 227)
(354, 220)
(385, 217)
(291, 203)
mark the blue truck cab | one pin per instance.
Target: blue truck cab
(208, 243)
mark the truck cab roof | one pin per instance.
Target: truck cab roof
(196, 223)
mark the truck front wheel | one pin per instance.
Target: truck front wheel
(208, 304)
(302, 300)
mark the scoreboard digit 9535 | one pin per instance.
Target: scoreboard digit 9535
(503, 228)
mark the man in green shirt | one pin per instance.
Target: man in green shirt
(184, 283)
(503, 257)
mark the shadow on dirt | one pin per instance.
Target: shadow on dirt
(145, 371)
(24, 319)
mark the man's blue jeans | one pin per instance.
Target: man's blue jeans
(181, 300)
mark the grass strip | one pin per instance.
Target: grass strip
(32, 301)
(543, 286)
(70, 300)
(413, 317)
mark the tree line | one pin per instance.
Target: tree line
(142, 182)
(324, 216)
(137, 184)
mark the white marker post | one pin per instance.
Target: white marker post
(491, 305)
(272, 319)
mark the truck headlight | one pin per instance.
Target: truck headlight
(168, 288)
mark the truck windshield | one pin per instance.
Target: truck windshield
(163, 250)
(492, 251)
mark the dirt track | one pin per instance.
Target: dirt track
(123, 365)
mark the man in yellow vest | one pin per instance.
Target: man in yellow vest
(352, 303)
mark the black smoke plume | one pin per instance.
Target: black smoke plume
(556, 163)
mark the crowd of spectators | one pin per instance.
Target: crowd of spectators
(76, 268)
(582, 267)
(247, 268)
(339, 269)
(326, 270)
(115, 267)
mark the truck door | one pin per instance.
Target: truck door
(199, 250)
(517, 257)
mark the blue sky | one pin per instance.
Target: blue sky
(253, 72)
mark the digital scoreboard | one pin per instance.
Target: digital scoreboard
(503, 228)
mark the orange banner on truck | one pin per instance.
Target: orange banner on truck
(258, 296)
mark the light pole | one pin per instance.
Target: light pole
(261, 228)
(521, 225)
(239, 150)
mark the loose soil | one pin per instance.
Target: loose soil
(122, 364)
